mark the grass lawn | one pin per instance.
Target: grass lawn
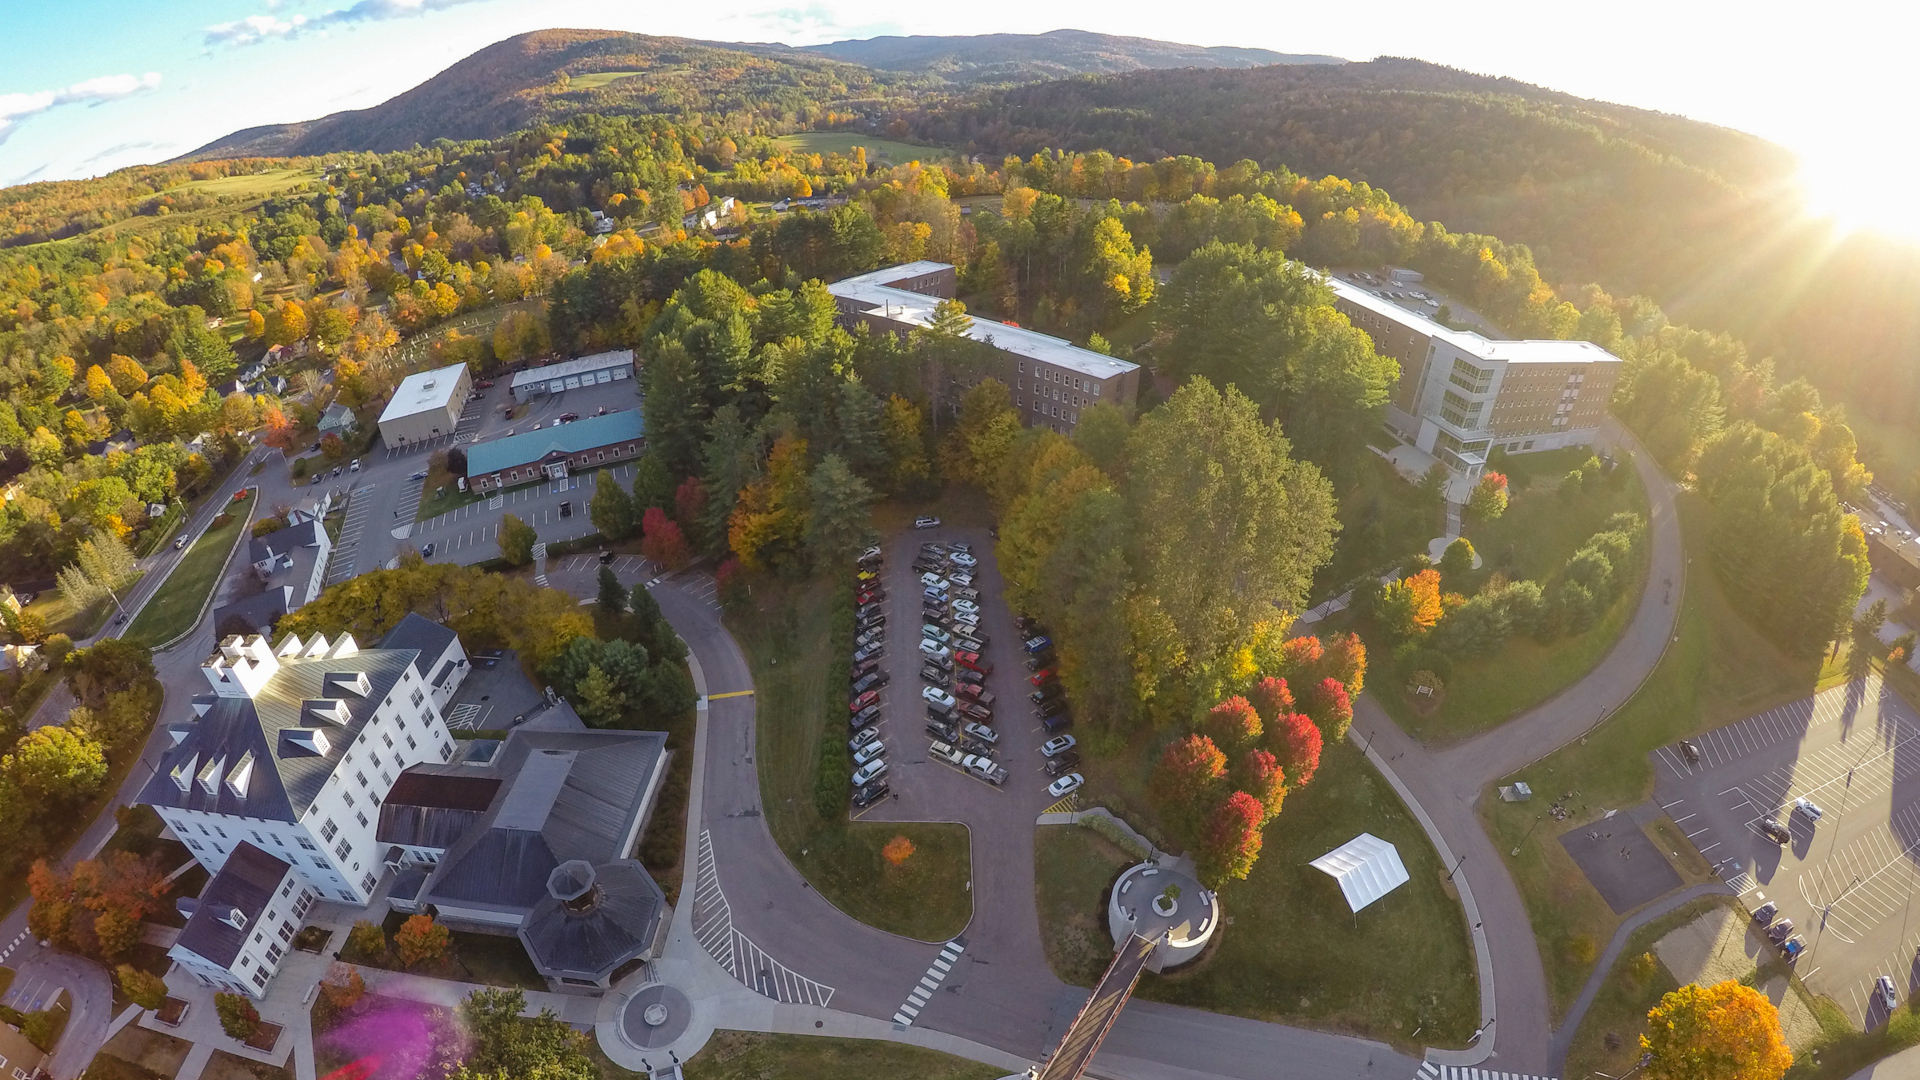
(1718, 670)
(748, 1055)
(62, 618)
(1383, 519)
(1290, 952)
(227, 1066)
(599, 79)
(1532, 540)
(258, 184)
(174, 609)
(137, 1052)
(440, 493)
(843, 142)
(1073, 870)
(786, 639)
(491, 959)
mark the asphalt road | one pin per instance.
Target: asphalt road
(1847, 880)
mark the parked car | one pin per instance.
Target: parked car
(935, 677)
(1066, 785)
(868, 715)
(1037, 645)
(862, 737)
(944, 663)
(1057, 723)
(934, 633)
(1883, 989)
(872, 619)
(484, 384)
(872, 554)
(870, 637)
(1049, 692)
(868, 773)
(863, 576)
(1063, 763)
(1764, 914)
(986, 769)
(1040, 678)
(929, 647)
(932, 547)
(966, 620)
(971, 595)
(926, 523)
(426, 552)
(1791, 949)
(966, 605)
(355, 467)
(870, 652)
(566, 508)
(968, 675)
(981, 731)
(862, 700)
(867, 796)
(961, 578)
(1780, 931)
(1027, 624)
(937, 596)
(1056, 707)
(936, 696)
(943, 750)
(973, 641)
(1690, 750)
(978, 693)
(871, 596)
(872, 751)
(1059, 744)
(931, 580)
(973, 660)
(1775, 831)
(961, 558)
(873, 680)
(1805, 807)
(975, 710)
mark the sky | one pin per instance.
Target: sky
(90, 86)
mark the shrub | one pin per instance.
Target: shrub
(1458, 558)
(143, 988)
(898, 850)
(220, 521)
(268, 524)
(366, 939)
(42, 1029)
(238, 1018)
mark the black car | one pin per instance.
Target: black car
(970, 745)
(1774, 831)
(941, 730)
(1054, 725)
(1035, 663)
(1063, 763)
(1051, 707)
(566, 508)
(870, 681)
(939, 715)
(606, 557)
(872, 793)
(1691, 751)
(1049, 692)
(1026, 623)
(870, 619)
(1764, 914)
(935, 677)
(868, 715)
(971, 676)
(1780, 931)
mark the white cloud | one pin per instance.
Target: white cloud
(17, 107)
(255, 29)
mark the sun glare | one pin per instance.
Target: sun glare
(1838, 187)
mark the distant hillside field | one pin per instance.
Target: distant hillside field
(989, 58)
(843, 142)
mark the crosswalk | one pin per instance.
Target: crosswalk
(735, 951)
(1430, 1071)
(929, 983)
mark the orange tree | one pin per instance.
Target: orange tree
(1722, 1032)
(420, 940)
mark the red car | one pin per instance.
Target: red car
(978, 693)
(1042, 676)
(978, 712)
(863, 701)
(484, 384)
(972, 660)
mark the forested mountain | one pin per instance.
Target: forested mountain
(516, 83)
(1013, 58)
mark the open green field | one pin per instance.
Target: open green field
(878, 149)
(1541, 529)
(750, 1055)
(1718, 669)
(599, 79)
(62, 618)
(176, 606)
(257, 185)
(1291, 952)
(786, 636)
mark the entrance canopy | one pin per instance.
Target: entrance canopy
(1366, 867)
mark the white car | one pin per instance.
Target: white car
(982, 732)
(1883, 989)
(861, 738)
(937, 697)
(926, 523)
(1066, 784)
(873, 751)
(865, 774)
(931, 580)
(966, 605)
(962, 579)
(929, 647)
(967, 618)
(1059, 744)
(961, 558)
(1806, 807)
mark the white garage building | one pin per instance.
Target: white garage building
(573, 374)
(426, 405)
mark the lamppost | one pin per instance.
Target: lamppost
(1456, 866)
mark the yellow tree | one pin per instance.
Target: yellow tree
(1722, 1032)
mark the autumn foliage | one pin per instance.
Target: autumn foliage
(1260, 775)
(420, 940)
(1233, 724)
(661, 539)
(1296, 743)
(1231, 842)
(1722, 1032)
(1272, 698)
(898, 850)
(1411, 606)
(1331, 708)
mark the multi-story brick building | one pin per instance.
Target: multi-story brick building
(1051, 379)
(1462, 394)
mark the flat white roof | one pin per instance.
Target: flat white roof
(575, 366)
(900, 305)
(1527, 351)
(423, 390)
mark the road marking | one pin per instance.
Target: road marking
(730, 693)
(733, 950)
(929, 983)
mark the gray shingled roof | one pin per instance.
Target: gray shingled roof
(246, 882)
(568, 795)
(235, 726)
(260, 609)
(589, 938)
(420, 633)
(434, 809)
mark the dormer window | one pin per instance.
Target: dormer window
(240, 775)
(183, 773)
(210, 774)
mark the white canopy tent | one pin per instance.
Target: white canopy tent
(1366, 867)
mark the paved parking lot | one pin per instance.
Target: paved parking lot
(1848, 880)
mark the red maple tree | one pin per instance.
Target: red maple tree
(1233, 724)
(1296, 743)
(1230, 843)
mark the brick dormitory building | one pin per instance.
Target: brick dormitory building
(555, 452)
(1051, 379)
(1462, 394)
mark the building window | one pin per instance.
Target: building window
(347, 896)
(274, 953)
(260, 978)
(327, 831)
(362, 817)
(286, 931)
(446, 751)
(348, 796)
(418, 696)
(411, 745)
(366, 883)
(342, 849)
(306, 843)
(388, 738)
(361, 777)
(287, 889)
